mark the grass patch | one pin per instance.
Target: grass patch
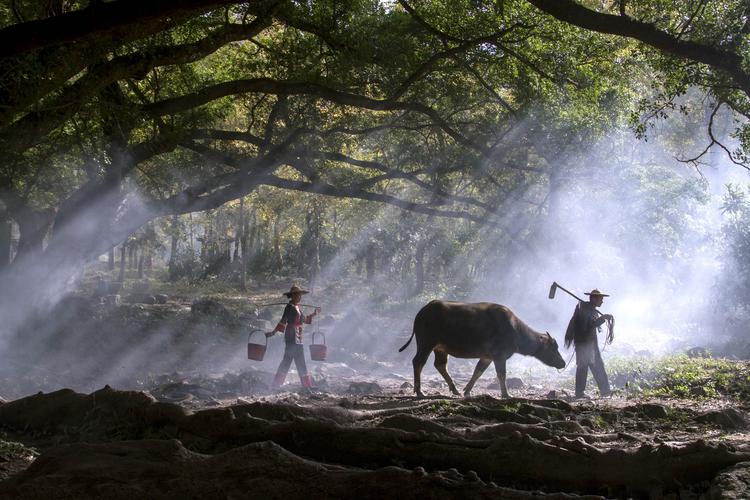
(681, 377)
(10, 450)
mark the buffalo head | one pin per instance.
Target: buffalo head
(548, 353)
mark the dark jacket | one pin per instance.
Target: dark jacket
(291, 323)
(584, 324)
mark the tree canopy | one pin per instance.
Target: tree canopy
(115, 113)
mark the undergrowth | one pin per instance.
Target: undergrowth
(681, 377)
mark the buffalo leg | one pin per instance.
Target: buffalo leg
(441, 364)
(500, 369)
(478, 371)
(418, 362)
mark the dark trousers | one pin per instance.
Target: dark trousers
(588, 356)
(295, 352)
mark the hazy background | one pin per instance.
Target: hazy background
(621, 215)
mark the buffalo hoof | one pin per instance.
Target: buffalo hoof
(467, 394)
(455, 392)
(419, 394)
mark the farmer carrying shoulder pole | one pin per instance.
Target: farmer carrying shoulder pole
(291, 324)
(582, 330)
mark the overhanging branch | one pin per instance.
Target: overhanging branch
(279, 87)
(110, 19)
(35, 126)
(576, 14)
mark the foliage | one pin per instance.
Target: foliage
(681, 377)
(10, 450)
(184, 265)
(733, 287)
(468, 118)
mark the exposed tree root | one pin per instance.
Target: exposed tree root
(539, 455)
(165, 469)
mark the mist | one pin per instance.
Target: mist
(622, 215)
(659, 259)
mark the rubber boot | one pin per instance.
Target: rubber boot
(278, 380)
(306, 381)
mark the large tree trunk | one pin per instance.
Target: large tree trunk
(335, 226)
(173, 244)
(141, 260)
(241, 245)
(422, 246)
(251, 243)
(32, 228)
(205, 242)
(123, 254)
(39, 277)
(192, 235)
(5, 236)
(111, 259)
(419, 267)
(317, 229)
(278, 260)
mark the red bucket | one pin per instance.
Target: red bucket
(256, 351)
(318, 352)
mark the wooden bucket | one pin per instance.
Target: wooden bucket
(256, 351)
(318, 352)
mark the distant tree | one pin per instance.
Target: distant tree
(734, 286)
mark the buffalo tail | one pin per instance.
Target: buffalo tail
(407, 342)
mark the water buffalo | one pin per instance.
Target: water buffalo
(490, 332)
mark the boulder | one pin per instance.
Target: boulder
(361, 388)
(514, 383)
(650, 410)
(727, 418)
(206, 306)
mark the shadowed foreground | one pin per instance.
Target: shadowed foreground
(121, 444)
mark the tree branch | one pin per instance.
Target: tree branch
(221, 189)
(269, 86)
(391, 174)
(107, 22)
(35, 126)
(696, 160)
(573, 13)
(330, 190)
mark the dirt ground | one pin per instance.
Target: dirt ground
(231, 436)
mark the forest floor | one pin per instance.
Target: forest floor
(676, 427)
(231, 437)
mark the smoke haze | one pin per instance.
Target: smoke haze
(624, 217)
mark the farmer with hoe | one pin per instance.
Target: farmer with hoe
(582, 330)
(291, 324)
